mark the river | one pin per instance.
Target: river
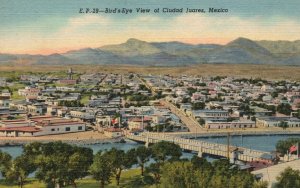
(261, 142)
(257, 142)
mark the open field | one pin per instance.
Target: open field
(127, 180)
(263, 71)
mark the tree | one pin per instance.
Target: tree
(78, 164)
(102, 168)
(284, 108)
(202, 121)
(5, 162)
(289, 178)
(59, 163)
(21, 167)
(198, 106)
(143, 155)
(230, 176)
(162, 152)
(179, 174)
(260, 184)
(120, 161)
(282, 146)
(283, 124)
(205, 170)
(241, 179)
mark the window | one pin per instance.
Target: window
(52, 129)
(68, 129)
(80, 128)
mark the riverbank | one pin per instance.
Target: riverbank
(238, 132)
(81, 138)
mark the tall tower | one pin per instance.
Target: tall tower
(70, 73)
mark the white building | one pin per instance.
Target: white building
(113, 132)
(39, 126)
(275, 121)
(229, 125)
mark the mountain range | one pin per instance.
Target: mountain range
(137, 52)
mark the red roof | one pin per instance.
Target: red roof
(13, 121)
(139, 119)
(20, 129)
(53, 121)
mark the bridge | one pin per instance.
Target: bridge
(202, 147)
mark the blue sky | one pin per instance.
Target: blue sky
(49, 26)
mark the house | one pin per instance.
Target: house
(29, 92)
(158, 119)
(67, 81)
(113, 132)
(5, 93)
(54, 110)
(35, 109)
(53, 125)
(4, 101)
(7, 112)
(15, 128)
(138, 123)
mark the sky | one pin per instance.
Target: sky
(56, 26)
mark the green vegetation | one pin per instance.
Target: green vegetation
(283, 146)
(166, 127)
(283, 125)
(85, 99)
(263, 105)
(198, 106)
(289, 178)
(200, 84)
(284, 108)
(16, 96)
(70, 103)
(57, 164)
(201, 121)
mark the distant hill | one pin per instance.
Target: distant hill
(281, 47)
(137, 52)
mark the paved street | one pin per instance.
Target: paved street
(188, 121)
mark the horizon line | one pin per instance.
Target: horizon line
(62, 51)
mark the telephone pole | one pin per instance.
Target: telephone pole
(228, 135)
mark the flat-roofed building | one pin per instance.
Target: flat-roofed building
(275, 121)
(39, 126)
(113, 132)
(229, 125)
(4, 101)
(211, 114)
(50, 125)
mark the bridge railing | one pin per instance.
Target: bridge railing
(197, 145)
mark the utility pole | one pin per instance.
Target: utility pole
(297, 150)
(228, 134)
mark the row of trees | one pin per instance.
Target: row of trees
(59, 164)
(55, 163)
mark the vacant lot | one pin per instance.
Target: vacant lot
(262, 71)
